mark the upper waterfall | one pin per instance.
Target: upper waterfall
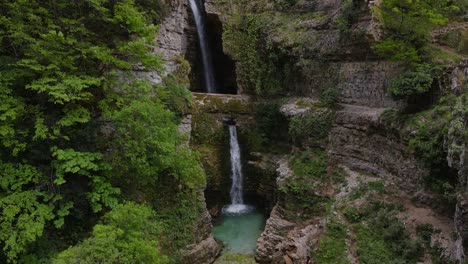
(205, 51)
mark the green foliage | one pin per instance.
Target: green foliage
(416, 82)
(424, 232)
(427, 145)
(366, 187)
(269, 128)
(371, 249)
(352, 214)
(206, 129)
(407, 25)
(332, 248)
(74, 122)
(310, 164)
(269, 120)
(89, 164)
(127, 234)
(260, 70)
(313, 127)
(457, 40)
(179, 212)
(329, 97)
(398, 50)
(24, 217)
(349, 15)
(26, 210)
(427, 133)
(146, 140)
(430, 128)
(382, 238)
(310, 172)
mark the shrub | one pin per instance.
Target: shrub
(415, 82)
(424, 232)
(349, 15)
(407, 25)
(261, 67)
(371, 249)
(313, 127)
(270, 121)
(352, 214)
(329, 96)
(332, 248)
(384, 238)
(127, 234)
(310, 164)
(398, 50)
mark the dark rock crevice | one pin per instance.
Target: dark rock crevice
(224, 66)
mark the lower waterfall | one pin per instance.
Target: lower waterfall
(237, 205)
(239, 225)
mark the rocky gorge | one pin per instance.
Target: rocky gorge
(364, 144)
(234, 131)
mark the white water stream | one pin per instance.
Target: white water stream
(205, 51)
(237, 205)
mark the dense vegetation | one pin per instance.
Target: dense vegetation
(407, 25)
(91, 165)
(80, 133)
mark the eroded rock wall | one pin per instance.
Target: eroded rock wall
(173, 43)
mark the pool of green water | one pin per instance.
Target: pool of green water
(239, 233)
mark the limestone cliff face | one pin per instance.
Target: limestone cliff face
(172, 40)
(171, 44)
(458, 158)
(286, 239)
(357, 141)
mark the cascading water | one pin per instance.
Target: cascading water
(205, 51)
(240, 225)
(237, 202)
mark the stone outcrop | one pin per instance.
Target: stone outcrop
(285, 240)
(172, 40)
(223, 104)
(206, 249)
(458, 158)
(356, 141)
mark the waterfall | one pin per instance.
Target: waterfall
(205, 51)
(237, 202)
(236, 167)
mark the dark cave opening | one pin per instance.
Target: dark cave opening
(224, 66)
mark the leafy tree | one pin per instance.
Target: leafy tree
(414, 82)
(145, 143)
(127, 234)
(26, 209)
(407, 25)
(58, 59)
